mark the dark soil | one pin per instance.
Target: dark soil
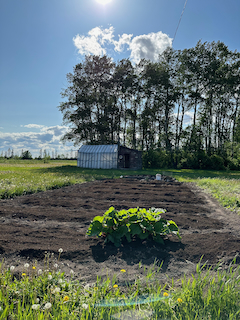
(30, 225)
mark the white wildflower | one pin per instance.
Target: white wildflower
(85, 306)
(35, 306)
(87, 286)
(12, 268)
(26, 265)
(48, 305)
(56, 290)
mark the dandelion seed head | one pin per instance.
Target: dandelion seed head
(60, 250)
(40, 271)
(55, 265)
(72, 272)
(35, 306)
(85, 306)
(49, 277)
(26, 265)
(87, 286)
(12, 268)
(48, 305)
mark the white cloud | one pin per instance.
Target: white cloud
(36, 126)
(147, 46)
(46, 138)
(92, 44)
(124, 39)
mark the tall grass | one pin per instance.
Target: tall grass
(35, 293)
(18, 177)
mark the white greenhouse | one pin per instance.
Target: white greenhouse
(108, 157)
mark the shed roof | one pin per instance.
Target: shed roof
(111, 148)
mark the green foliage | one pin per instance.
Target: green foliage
(26, 155)
(135, 222)
(156, 159)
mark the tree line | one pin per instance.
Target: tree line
(182, 111)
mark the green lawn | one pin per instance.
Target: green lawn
(19, 177)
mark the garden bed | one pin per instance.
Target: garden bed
(30, 225)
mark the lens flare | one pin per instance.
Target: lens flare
(103, 1)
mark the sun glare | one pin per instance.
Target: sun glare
(103, 1)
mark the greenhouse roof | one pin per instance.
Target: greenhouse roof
(113, 148)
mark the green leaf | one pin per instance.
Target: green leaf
(111, 209)
(98, 218)
(133, 217)
(114, 240)
(94, 229)
(135, 229)
(127, 235)
(110, 222)
(158, 239)
(159, 227)
(121, 231)
(172, 225)
(144, 235)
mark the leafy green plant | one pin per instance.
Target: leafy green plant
(135, 222)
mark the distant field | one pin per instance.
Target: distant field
(19, 177)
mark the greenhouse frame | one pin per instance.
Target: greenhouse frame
(109, 157)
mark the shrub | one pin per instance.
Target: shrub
(217, 162)
(115, 225)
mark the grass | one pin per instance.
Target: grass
(18, 177)
(49, 294)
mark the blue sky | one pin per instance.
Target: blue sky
(41, 41)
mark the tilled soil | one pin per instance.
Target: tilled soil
(32, 225)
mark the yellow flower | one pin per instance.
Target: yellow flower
(165, 294)
(123, 270)
(34, 268)
(179, 300)
(23, 274)
(95, 288)
(66, 298)
(115, 286)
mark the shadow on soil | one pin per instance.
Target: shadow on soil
(145, 251)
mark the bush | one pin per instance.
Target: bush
(135, 222)
(155, 159)
(217, 162)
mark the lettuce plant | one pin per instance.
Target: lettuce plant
(132, 223)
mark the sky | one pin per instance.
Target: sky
(41, 41)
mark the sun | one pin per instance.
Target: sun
(103, 1)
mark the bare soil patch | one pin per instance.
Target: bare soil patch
(30, 225)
